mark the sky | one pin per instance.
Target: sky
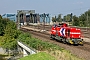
(53, 7)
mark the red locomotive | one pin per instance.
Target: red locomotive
(66, 34)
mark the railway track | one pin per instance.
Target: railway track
(85, 31)
(79, 49)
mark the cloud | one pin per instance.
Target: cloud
(79, 3)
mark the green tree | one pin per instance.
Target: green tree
(64, 18)
(67, 18)
(23, 37)
(11, 33)
(87, 13)
(82, 19)
(54, 19)
(75, 21)
(59, 19)
(8, 43)
(85, 19)
(0, 17)
(3, 23)
(11, 30)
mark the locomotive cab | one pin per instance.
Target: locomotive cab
(63, 25)
(53, 31)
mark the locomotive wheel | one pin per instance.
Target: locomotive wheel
(81, 44)
(64, 41)
(52, 37)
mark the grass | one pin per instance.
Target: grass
(39, 56)
(52, 55)
(64, 55)
(52, 49)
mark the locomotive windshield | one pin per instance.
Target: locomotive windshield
(54, 25)
(63, 24)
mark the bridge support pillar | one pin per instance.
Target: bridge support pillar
(25, 53)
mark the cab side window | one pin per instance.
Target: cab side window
(54, 25)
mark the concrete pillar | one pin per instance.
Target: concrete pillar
(25, 53)
(33, 19)
(46, 20)
(30, 18)
(32, 52)
(18, 21)
(24, 18)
